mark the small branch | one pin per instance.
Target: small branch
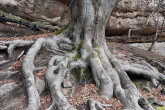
(147, 21)
(20, 55)
(72, 92)
(156, 35)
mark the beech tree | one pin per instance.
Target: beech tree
(85, 35)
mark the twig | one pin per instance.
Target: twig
(156, 36)
(20, 55)
(147, 21)
(72, 92)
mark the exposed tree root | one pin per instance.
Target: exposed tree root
(94, 105)
(55, 74)
(14, 44)
(109, 73)
(7, 73)
(28, 66)
(146, 70)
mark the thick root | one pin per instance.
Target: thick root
(105, 65)
(28, 66)
(102, 80)
(146, 70)
(55, 74)
(14, 44)
(94, 105)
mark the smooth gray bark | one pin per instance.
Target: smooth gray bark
(87, 26)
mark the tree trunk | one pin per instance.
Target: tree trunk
(87, 27)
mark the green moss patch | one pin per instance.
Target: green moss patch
(61, 29)
(161, 108)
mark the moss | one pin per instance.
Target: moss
(161, 108)
(80, 45)
(69, 92)
(154, 59)
(137, 84)
(98, 49)
(41, 23)
(148, 58)
(78, 72)
(141, 84)
(78, 55)
(95, 55)
(61, 29)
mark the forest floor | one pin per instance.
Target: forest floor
(83, 86)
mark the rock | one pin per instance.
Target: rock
(127, 14)
(5, 89)
(163, 91)
(67, 84)
(158, 48)
(162, 103)
(121, 55)
(143, 103)
(10, 106)
(147, 89)
(152, 100)
(40, 84)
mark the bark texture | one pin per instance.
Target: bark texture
(87, 27)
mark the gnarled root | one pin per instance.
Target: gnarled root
(111, 78)
(146, 70)
(55, 74)
(109, 74)
(14, 44)
(28, 66)
(94, 105)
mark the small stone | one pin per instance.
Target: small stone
(152, 100)
(163, 91)
(67, 84)
(147, 89)
(121, 55)
(94, 91)
(114, 51)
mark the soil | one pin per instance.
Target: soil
(13, 30)
(82, 88)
